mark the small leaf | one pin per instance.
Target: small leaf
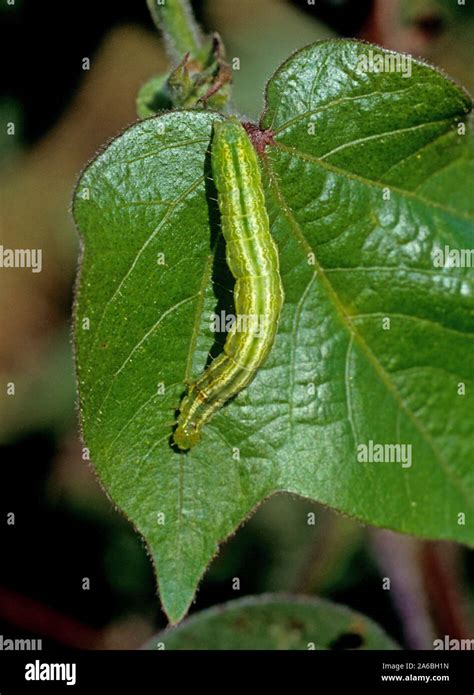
(275, 622)
(198, 80)
(153, 97)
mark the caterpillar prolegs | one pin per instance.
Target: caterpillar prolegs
(252, 258)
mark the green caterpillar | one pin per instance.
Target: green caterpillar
(252, 258)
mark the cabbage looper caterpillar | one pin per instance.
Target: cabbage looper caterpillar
(252, 257)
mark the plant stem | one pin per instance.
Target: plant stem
(175, 19)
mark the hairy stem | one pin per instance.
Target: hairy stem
(175, 19)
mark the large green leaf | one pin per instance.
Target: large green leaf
(368, 172)
(275, 622)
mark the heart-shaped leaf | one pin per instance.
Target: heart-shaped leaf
(368, 178)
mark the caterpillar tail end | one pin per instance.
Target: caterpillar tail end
(186, 436)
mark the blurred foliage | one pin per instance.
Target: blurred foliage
(452, 49)
(438, 30)
(275, 622)
(47, 391)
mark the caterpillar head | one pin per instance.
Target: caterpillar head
(186, 436)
